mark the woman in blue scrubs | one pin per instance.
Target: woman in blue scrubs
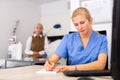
(85, 49)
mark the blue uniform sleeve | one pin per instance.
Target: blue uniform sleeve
(104, 46)
(62, 48)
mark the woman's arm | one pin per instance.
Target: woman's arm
(28, 45)
(96, 65)
(46, 43)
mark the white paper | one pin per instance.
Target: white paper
(43, 71)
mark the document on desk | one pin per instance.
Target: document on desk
(43, 71)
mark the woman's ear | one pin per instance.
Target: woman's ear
(91, 21)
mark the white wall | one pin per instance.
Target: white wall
(101, 10)
(29, 13)
(73, 5)
(56, 12)
(26, 12)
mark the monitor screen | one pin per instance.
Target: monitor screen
(115, 57)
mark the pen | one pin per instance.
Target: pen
(48, 61)
(46, 56)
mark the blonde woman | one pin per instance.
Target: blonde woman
(85, 49)
(36, 43)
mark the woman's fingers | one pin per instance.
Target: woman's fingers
(49, 66)
(62, 68)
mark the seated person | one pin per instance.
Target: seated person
(84, 50)
(37, 43)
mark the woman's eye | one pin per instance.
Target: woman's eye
(75, 24)
(82, 22)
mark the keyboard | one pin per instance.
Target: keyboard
(88, 73)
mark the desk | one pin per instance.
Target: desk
(31, 61)
(29, 73)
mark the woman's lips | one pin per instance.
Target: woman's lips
(82, 30)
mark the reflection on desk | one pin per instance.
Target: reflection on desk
(34, 59)
(27, 60)
(29, 73)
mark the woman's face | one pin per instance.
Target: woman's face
(38, 29)
(82, 24)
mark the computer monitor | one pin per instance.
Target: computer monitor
(115, 57)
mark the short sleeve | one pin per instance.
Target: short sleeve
(104, 46)
(62, 48)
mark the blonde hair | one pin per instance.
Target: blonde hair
(82, 11)
(39, 24)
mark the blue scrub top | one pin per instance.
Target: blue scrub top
(71, 47)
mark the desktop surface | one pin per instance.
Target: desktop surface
(31, 61)
(29, 73)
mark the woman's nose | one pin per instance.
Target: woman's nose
(79, 26)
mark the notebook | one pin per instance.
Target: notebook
(43, 71)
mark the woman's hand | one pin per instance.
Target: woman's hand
(35, 54)
(50, 63)
(49, 66)
(65, 68)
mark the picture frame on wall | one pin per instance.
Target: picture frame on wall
(101, 10)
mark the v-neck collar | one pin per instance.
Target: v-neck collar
(90, 41)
